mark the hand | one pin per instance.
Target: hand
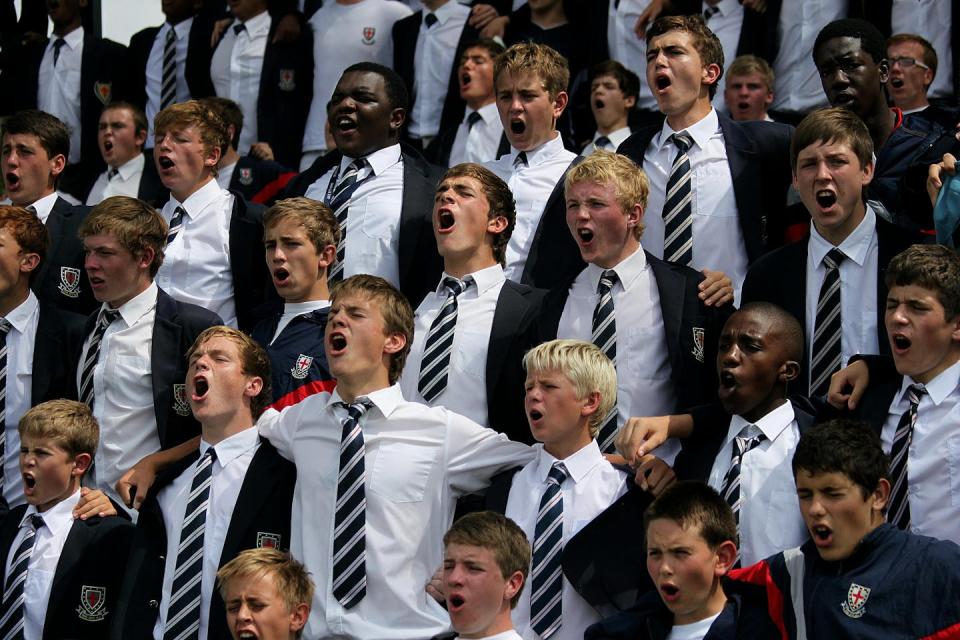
(639, 436)
(93, 502)
(716, 289)
(935, 174)
(261, 151)
(218, 28)
(435, 587)
(288, 30)
(32, 37)
(760, 6)
(654, 475)
(134, 484)
(654, 9)
(495, 28)
(481, 15)
(848, 384)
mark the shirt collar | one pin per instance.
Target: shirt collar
(132, 166)
(939, 389)
(258, 25)
(627, 271)
(44, 206)
(578, 464)
(484, 279)
(181, 29)
(726, 7)
(488, 112)
(305, 307)
(20, 316)
(232, 447)
(444, 13)
(700, 131)
(771, 425)
(200, 199)
(856, 246)
(136, 307)
(386, 399)
(616, 138)
(59, 516)
(73, 39)
(543, 153)
(379, 161)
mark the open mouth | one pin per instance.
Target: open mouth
(727, 380)
(107, 145)
(822, 535)
(246, 634)
(896, 83)
(535, 415)
(338, 342)
(345, 124)
(165, 162)
(843, 99)
(445, 220)
(585, 235)
(826, 198)
(29, 481)
(455, 602)
(280, 275)
(518, 126)
(901, 342)
(200, 388)
(669, 591)
(743, 106)
(12, 180)
(599, 104)
(662, 82)
(465, 79)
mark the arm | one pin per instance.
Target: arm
(639, 436)
(135, 483)
(716, 289)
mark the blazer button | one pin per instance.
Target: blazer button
(154, 604)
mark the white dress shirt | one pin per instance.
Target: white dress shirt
(717, 238)
(125, 183)
(644, 387)
(48, 544)
(123, 392)
(858, 288)
(726, 23)
(506, 635)
(433, 61)
(228, 472)
(466, 391)
(373, 216)
(933, 462)
(44, 206)
(531, 186)
(418, 461)
(19, 390)
(154, 70)
(196, 265)
(235, 71)
(931, 19)
(592, 485)
(770, 519)
(344, 34)
(293, 309)
(797, 86)
(58, 91)
(626, 48)
(616, 138)
(480, 143)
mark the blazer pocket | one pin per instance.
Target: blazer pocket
(401, 471)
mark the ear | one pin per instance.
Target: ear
(955, 332)
(298, 617)
(57, 164)
(146, 258)
(254, 387)
(789, 371)
(711, 74)
(327, 255)
(591, 404)
(81, 463)
(726, 556)
(634, 215)
(560, 103)
(395, 343)
(497, 225)
(769, 99)
(213, 157)
(29, 262)
(397, 117)
(884, 69)
(513, 586)
(796, 186)
(630, 102)
(140, 139)
(867, 174)
(880, 496)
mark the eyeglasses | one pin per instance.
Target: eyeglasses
(906, 63)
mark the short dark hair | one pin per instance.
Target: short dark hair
(499, 198)
(833, 124)
(871, 40)
(843, 446)
(492, 47)
(53, 134)
(396, 88)
(499, 534)
(931, 266)
(139, 117)
(692, 503)
(231, 114)
(929, 53)
(705, 41)
(786, 323)
(628, 81)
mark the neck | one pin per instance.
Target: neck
(181, 196)
(460, 267)
(433, 5)
(950, 358)
(549, 17)
(837, 235)
(349, 392)
(712, 607)
(142, 286)
(216, 430)
(319, 291)
(65, 29)
(880, 124)
(478, 103)
(230, 157)
(563, 449)
(762, 409)
(700, 109)
(614, 126)
(14, 298)
(501, 624)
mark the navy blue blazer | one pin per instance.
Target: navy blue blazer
(59, 339)
(759, 157)
(61, 279)
(261, 518)
(420, 264)
(781, 278)
(86, 584)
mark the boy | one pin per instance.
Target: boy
(913, 66)
(131, 369)
(267, 594)
(61, 575)
(213, 255)
(856, 576)
(234, 494)
(613, 95)
(40, 341)
(300, 239)
(485, 565)
(691, 545)
(832, 281)
(749, 89)
(473, 372)
(531, 87)
(571, 387)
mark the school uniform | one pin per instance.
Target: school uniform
(608, 142)
(401, 248)
(73, 581)
(251, 492)
(781, 278)
(480, 142)
(137, 178)
(256, 180)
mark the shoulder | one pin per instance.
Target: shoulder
(787, 254)
(761, 132)
(144, 36)
(185, 313)
(636, 145)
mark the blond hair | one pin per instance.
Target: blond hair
(134, 223)
(316, 218)
(630, 183)
(67, 422)
(253, 360)
(586, 367)
(540, 60)
(746, 64)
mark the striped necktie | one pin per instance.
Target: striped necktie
(5, 328)
(730, 490)
(57, 46)
(898, 513)
(826, 354)
(435, 364)
(183, 614)
(11, 615)
(340, 204)
(106, 317)
(546, 576)
(168, 79)
(605, 337)
(677, 209)
(176, 223)
(350, 520)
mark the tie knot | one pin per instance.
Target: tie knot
(355, 167)
(473, 119)
(35, 521)
(558, 473)
(709, 12)
(455, 286)
(358, 408)
(833, 258)
(5, 326)
(607, 279)
(58, 43)
(107, 316)
(430, 19)
(747, 442)
(210, 455)
(602, 142)
(682, 141)
(520, 160)
(172, 34)
(237, 28)
(915, 392)
(178, 213)
(112, 173)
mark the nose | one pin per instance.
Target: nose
(731, 356)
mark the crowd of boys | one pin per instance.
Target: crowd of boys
(393, 325)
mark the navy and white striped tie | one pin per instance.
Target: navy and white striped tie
(107, 316)
(677, 208)
(11, 616)
(828, 328)
(350, 520)
(5, 328)
(168, 78)
(605, 337)
(730, 490)
(340, 205)
(898, 513)
(546, 576)
(435, 364)
(183, 614)
(176, 223)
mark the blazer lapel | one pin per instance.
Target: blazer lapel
(671, 287)
(55, 224)
(46, 349)
(741, 157)
(506, 317)
(70, 555)
(164, 360)
(257, 487)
